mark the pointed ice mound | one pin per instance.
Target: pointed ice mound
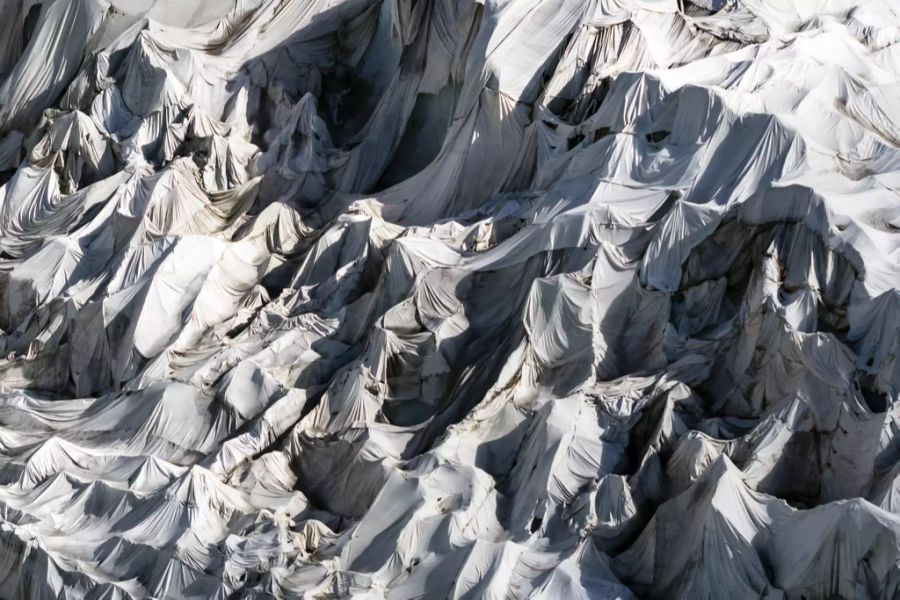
(721, 535)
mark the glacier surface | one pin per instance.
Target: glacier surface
(450, 299)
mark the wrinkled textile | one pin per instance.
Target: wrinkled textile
(450, 299)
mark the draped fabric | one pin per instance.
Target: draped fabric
(449, 299)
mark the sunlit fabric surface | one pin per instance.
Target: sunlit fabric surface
(454, 299)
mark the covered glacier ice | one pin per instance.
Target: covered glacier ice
(450, 299)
